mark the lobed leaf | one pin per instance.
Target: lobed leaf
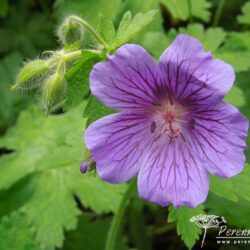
(183, 9)
(129, 26)
(188, 231)
(49, 156)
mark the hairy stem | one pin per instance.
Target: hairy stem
(91, 30)
(118, 217)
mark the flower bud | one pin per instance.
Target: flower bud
(54, 89)
(70, 31)
(84, 167)
(31, 75)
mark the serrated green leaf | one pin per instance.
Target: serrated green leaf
(188, 231)
(232, 188)
(136, 6)
(200, 9)
(245, 17)
(106, 29)
(50, 152)
(16, 233)
(51, 208)
(130, 27)
(95, 110)
(182, 9)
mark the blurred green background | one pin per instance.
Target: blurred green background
(44, 202)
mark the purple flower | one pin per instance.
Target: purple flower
(173, 128)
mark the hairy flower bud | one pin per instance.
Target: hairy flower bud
(54, 89)
(70, 31)
(31, 75)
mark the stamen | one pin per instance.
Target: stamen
(172, 117)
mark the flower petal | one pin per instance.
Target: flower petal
(129, 79)
(170, 173)
(116, 143)
(219, 135)
(191, 74)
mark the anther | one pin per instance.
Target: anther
(153, 127)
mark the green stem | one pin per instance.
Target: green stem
(118, 217)
(73, 55)
(91, 30)
(218, 13)
(190, 16)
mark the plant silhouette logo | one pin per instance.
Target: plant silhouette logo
(207, 221)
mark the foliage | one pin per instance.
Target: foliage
(188, 231)
(185, 9)
(51, 161)
(245, 17)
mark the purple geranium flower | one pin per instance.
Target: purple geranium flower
(173, 128)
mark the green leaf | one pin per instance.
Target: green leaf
(236, 50)
(95, 110)
(78, 79)
(180, 9)
(96, 194)
(91, 234)
(157, 42)
(16, 233)
(232, 188)
(236, 97)
(106, 29)
(188, 231)
(50, 152)
(205, 36)
(129, 26)
(132, 7)
(51, 208)
(245, 17)
(200, 9)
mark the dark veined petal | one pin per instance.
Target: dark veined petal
(191, 74)
(170, 173)
(218, 136)
(116, 143)
(128, 80)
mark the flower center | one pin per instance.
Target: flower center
(171, 123)
(170, 119)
